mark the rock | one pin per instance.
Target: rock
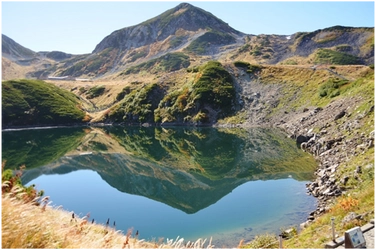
(340, 115)
(369, 166)
(304, 225)
(303, 146)
(370, 144)
(345, 180)
(350, 217)
(371, 109)
(358, 170)
(302, 138)
(318, 109)
(315, 192)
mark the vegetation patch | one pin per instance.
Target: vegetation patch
(251, 68)
(210, 38)
(290, 62)
(331, 87)
(343, 48)
(327, 56)
(241, 64)
(138, 106)
(95, 92)
(125, 91)
(177, 41)
(268, 241)
(212, 93)
(98, 63)
(137, 55)
(35, 102)
(168, 63)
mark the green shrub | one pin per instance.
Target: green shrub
(176, 41)
(193, 70)
(252, 69)
(245, 48)
(214, 90)
(95, 92)
(256, 52)
(169, 62)
(138, 106)
(290, 62)
(241, 64)
(328, 56)
(82, 90)
(94, 65)
(331, 87)
(343, 48)
(138, 55)
(126, 90)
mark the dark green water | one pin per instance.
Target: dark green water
(229, 184)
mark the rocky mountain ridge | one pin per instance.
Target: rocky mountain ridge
(197, 34)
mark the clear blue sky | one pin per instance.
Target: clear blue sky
(77, 27)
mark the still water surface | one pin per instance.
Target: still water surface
(228, 184)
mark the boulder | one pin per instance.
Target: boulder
(340, 115)
(302, 138)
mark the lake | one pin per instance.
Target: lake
(226, 183)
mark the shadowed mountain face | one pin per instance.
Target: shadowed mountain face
(11, 49)
(188, 169)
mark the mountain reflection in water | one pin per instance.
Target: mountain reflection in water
(186, 168)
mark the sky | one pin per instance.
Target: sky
(77, 27)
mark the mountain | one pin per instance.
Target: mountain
(12, 50)
(348, 45)
(178, 23)
(184, 28)
(187, 36)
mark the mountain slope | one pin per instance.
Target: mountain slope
(183, 17)
(171, 31)
(195, 36)
(12, 50)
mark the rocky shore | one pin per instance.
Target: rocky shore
(335, 142)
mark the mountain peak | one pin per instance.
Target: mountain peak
(182, 18)
(184, 5)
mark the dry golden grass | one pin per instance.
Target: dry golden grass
(25, 225)
(29, 226)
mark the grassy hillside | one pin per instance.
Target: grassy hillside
(209, 97)
(327, 56)
(138, 106)
(167, 63)
(33, 102)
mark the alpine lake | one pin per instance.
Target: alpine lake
(228, 184)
